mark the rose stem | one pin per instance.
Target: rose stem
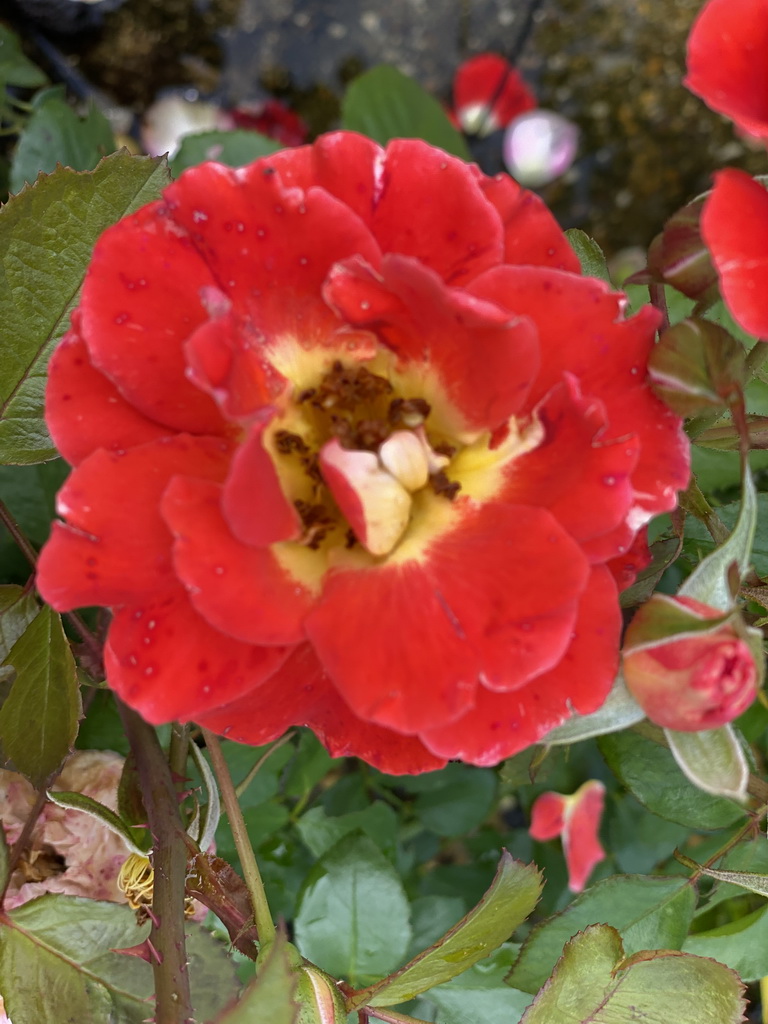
(658, 298)
(31, 556)
(173, 1004)
(14, 854)
(390, 1016)
(262, 917)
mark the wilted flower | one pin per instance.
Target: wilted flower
(69, 852)
(488, 93)
(539, 147)
(687, 665)
(358, 448)
(576, 819)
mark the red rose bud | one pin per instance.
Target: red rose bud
(488, 93)
(679, 257)
(688, 665)
(697, 366)
(577, 819)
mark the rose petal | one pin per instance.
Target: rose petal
(734, 225)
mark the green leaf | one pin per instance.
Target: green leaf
(712, 759)
(651, 773)
(15, 68)
(741, 944)
(384, 104)
(38, 720)
(481, 995)
(619, 711)
(94, 808)
(696, 531)
(235, 148)
(594, 984)
(269, 999)
(47, 234)
(709, 581)
(591, 256)
(55, 134)
(311, 763)
(648, 911)
(512, 896)
(30, 494)
(55, 958)
(321, 831)
(748, 880)
(460, 804)
(18, 608)
(353, 914)
(213, 978)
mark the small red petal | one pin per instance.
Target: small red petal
(85, 411)
(432, 208)
(115, 547)
(240, 590)
(269, 247)
(140, 302)
(490, 82)
(726, 61)
(547, 816)
(532, 236)
(485, 359)
(253, 504)
(300, 693)
(734, 225)
(502, 724)
(164, 660)
(580, 836)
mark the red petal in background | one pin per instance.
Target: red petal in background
(734, 225)
(488, 93)
(726, 61)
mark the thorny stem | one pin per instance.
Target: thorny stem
(265, 926)
(693, 501)
(173, 1004)
(30, 554)
(22, 842)
(178, 751)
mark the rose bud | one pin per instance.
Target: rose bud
(688, 665)
(488, 93)
(577, 819)
(697, 367)
(539, 146)
(679, 257)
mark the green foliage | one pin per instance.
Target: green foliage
(54, 134)
(651, 773)
(594, 984)
(511, 898)
(591, 256)
(353, 916)
(648, 911)
(384, 104)
(234, 148)
(47, 234)
(270, 998)
(480, 994)
(38, 719)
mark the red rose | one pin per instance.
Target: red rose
(355, 447)
(727, 64)
(488, 93)
(687, 666)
